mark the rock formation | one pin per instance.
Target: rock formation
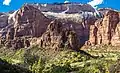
(61, 7)
(30, 21)
(80, 22)
(3, 20)
(58, 36)
(65, 30)
(27, 21)
(104, 30)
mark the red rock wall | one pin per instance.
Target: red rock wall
(105, 30)
(30, 21)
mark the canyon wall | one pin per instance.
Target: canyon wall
(106, 30)
(58, 30)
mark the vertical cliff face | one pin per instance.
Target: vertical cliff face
(3, 20)
(104, 30)
(29, 21)
(66, 30)
(61, 7)
(58, 36)
(25, 22)
(80, 22)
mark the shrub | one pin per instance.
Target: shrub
(38, 66)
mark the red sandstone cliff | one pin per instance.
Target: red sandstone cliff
(71, 30)
(106, 29)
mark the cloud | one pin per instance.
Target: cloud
(94, 3)
(6, 2)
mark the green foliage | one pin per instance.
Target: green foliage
(38, 66)
(97, 66)
(39, 60)
(6, 67)
(64, 68)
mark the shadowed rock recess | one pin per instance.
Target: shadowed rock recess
(59, 36)
(59, 30)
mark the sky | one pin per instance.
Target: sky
(9, 5)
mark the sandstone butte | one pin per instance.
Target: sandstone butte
(29, 25)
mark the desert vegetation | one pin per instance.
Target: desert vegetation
(38, 60)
